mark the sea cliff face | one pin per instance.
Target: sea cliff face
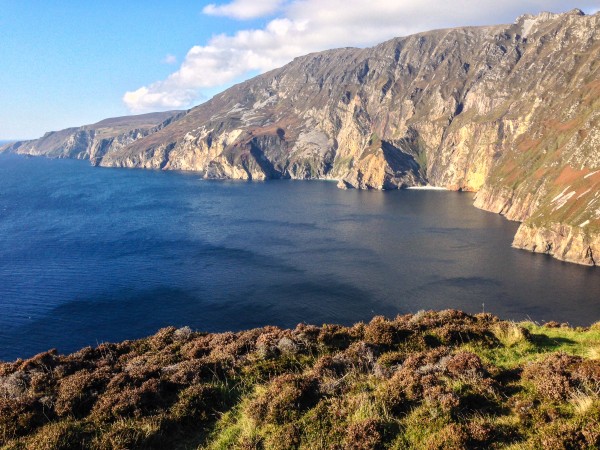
(94, 141)
(561, 241)
(510, 111)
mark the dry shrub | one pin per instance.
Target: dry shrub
(364, 435)
(587, 375)
(384, 333)
(196, 403)
(197, 348)
(125, 434)
(188, 372)
(77, 393)
(551, 377)
(228, 347)
(360, 356)
(285, 437)
(465, 366)
(14, 385)
(450, 437)
(335, 366)
(65, 435)
(332, 371)
(284, 399)
(561, 435)
(440, 396)
(183, 334)
(40, 381)
(480, 431)
(306, 334)
(335, 337)
(286, 345)
(163, 338)
(152, 396)
(266, 343)
(391, 359)
(418, 376)
(44, 361)
(591, 433)
(20, 417)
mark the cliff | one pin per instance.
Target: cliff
(434, 380)
(94, 141)
(510, 111)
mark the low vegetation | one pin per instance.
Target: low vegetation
(432, 380)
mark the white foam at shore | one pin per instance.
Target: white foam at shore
(428, 188)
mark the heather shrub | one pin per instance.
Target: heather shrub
(64, 435)
(428, 380)
(20, 417)
(147, 433)
(77, 393)
(334, 337)
(551, 377)
(285, 437)
(451, 437)
(364, 435)
(197, 403)
(14, 385)
(284, 399)
(384, 333)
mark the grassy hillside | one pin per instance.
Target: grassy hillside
(432, 380)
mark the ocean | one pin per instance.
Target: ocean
(89, 255)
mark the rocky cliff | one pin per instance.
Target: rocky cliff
(511, 111)
(94, 141)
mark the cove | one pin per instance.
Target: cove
(90, 255)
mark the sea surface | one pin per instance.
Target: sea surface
(89, 255)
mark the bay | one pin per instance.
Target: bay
(89, 255)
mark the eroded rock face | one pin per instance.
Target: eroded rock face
(510, 111)
(93, 142)
(564, 242)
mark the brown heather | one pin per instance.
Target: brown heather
(431, 380)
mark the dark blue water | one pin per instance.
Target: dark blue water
(89, 255)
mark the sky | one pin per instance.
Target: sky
(69, 62)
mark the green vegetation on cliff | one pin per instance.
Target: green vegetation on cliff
(429, 380)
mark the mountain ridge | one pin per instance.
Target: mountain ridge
(509, 111)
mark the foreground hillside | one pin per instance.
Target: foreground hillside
(431, 380)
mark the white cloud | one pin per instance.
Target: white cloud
(244, 9)
(312, 25)
(169, 59)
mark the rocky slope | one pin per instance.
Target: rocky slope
(94, 141)
(430, 380)
(511, 111)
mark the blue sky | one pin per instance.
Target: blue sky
(68, 63)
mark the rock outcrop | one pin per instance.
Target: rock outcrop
(510, 111)
(94, 141)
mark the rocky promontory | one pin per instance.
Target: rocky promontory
(510, 111)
